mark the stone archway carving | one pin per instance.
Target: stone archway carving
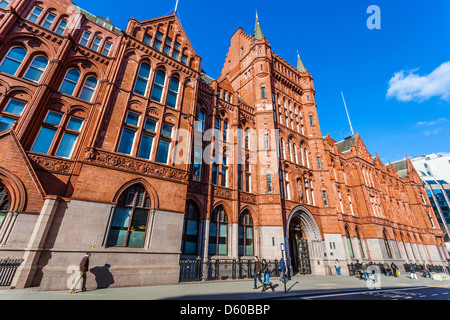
(308, 222)
(303, 241)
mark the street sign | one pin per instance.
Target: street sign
(282, 247)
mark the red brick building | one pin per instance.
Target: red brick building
(104, 140)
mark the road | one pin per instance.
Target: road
(417, 293)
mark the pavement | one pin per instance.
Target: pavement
(299, 286)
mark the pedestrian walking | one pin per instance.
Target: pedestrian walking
(266, 272)
(257, 271)
(386, 268)
(366, 274)
(338, 268)
(424, 271)
(359, 270)
(412, 269)
(282, 269)
(394, 269)
(84, 267)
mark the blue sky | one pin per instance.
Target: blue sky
(396, 80)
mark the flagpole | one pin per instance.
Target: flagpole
(176, 7)
(346, 110)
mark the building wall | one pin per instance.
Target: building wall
(61, 207)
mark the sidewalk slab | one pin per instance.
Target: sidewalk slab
(226, 290)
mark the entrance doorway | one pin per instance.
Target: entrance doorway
(298, 247)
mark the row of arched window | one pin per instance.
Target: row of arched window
(130, 223)
(159, 87)
(387, 245)
(292, 154)
(15, 64)
(58, 23)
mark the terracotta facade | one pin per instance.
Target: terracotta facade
(104, 141)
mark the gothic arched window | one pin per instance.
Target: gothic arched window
(349, 243)
(129, 224)
(218, 232)
(246, 239)
(13, 60)
(4, 202)
(386, 244)
(189, 241)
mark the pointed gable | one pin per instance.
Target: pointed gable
(361, 148)
(411, 171)
(378, 163)
(167, 36)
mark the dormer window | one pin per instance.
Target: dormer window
(158, 41)
(168, 46)
(85, 38)
(184, 59)
(61, 27)
(176, 51)
(48, 20)
(34, 15)
(96, 43)
(147, 39)
(103, 23)
(107, 48)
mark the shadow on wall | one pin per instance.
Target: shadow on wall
(103, 276)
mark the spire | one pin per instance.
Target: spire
(300, 65)
(258, 31)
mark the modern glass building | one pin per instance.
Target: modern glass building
(434, 170)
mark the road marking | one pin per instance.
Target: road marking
(379, 291)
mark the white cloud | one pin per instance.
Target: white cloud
(432, 132)
(433, 122)
(410, 86)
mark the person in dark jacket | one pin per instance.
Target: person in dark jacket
(84, 267)
(394, 269)
(258, 271)
(358, 269)
(266, 272)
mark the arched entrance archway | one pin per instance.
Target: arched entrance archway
(303, 240)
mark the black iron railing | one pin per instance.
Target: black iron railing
(420, 267)
(353, 271)
(8, 268)
(220, 269)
